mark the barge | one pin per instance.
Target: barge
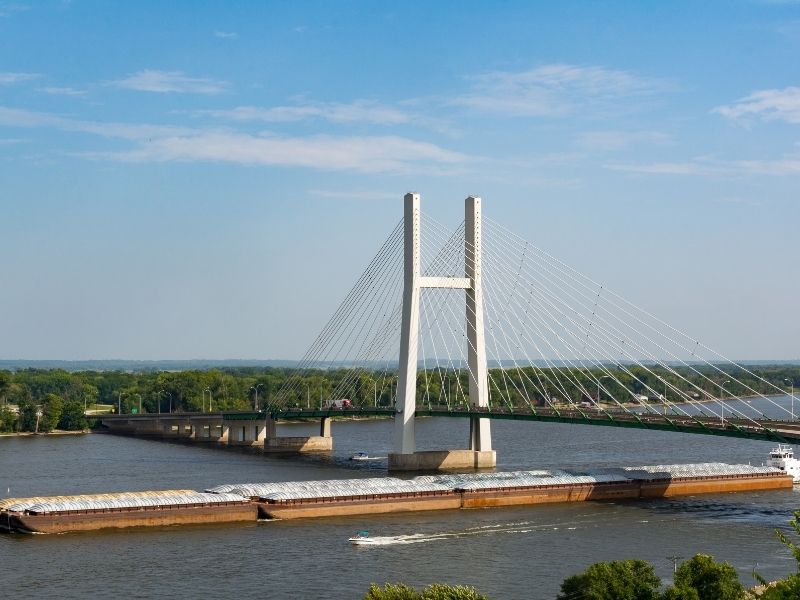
(62, 514)
(378, 495)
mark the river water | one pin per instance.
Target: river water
(506, 553)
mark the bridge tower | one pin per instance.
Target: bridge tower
(480, 453)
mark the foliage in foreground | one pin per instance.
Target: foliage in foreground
(789, 588)
(436, 591)
(616, 580)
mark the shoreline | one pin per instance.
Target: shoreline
(55, 432)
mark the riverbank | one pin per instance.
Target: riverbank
(55, 432)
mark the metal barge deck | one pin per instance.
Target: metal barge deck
(307, 499)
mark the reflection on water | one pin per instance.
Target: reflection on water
(506, 553)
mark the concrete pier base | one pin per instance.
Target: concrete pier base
(314, 443)
(443, 460)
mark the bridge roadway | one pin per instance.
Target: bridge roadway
(772, 430)
(778, 431)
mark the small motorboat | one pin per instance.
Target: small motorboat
(361, 539)
(365, 456)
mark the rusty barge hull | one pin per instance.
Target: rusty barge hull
(521, 496)
(383, 503)
(123, 518)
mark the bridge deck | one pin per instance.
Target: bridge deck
(779, 431)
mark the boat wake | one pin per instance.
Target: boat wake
(422, 538)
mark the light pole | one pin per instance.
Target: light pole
(791, 382)
(255, 401)
(308, 396)
(597, 402)
(119, 403)
(375, 392)
(721, 402)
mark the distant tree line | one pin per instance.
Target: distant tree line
(57, 394)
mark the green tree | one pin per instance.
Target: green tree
(436, 591)
(391, 591)
(8, 419)
(72, 417)
(703, 578)
(786, 589)
(27, 415)
(616, 580)
(51, 412)
(789, 588)
(441, 591)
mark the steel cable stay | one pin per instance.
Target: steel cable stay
(697, 344)
(648, 407)
(688, 398)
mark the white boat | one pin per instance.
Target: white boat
(361, 539)
(783, 458)
(365, 456)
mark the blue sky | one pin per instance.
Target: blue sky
(201, 180)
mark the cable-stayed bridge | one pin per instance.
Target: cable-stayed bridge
(436, 307)
(480, 324)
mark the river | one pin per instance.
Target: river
(506, 553)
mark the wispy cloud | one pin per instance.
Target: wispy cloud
(369, 154)
(163, 143)
(12, 78)
(553, 90)
(62, 91)
(619, 140)
(787, 165)
(151, 80)
(8, 9)
(770, 105)
(226, 35)
(17, 117)
(362, 111)
(354, 194)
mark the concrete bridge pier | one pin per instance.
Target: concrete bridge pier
(301, 444)
(246, 432)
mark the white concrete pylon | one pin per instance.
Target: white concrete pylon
(404, 440)
(480, 433)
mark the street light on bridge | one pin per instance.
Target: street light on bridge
(255, 401)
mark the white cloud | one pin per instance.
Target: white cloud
(11, 78)
(770, 105)
(15, 117)
(785, 166)
(151, 80)
(7, 9)
(226, 35)
(62, 91)
(553, 90)
(354, 194)
(163, 143)
(618, 140)
(361, 111)
(371, 154)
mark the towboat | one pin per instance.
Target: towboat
(783, 458)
